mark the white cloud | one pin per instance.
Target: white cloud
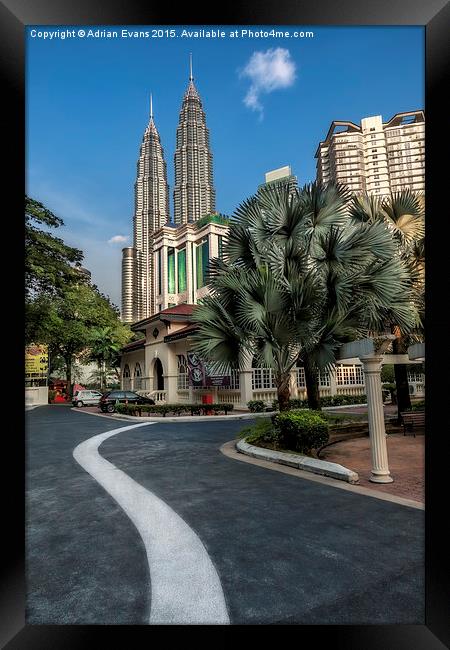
(267, 71)
(118, 239)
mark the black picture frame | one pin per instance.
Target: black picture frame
(15, 15)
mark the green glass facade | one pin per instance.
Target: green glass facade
(159, 274)
(171, 270)
(202, 259)
(181, 260)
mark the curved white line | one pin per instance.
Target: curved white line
(185, 586)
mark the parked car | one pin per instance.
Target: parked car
(109, 400)
(86, 398)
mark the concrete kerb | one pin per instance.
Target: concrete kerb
(305, 463)
(177, 418)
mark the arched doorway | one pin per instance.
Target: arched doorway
(158, 378)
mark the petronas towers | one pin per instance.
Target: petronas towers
(194, 197)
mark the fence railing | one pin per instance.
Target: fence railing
(346, 380)
(158, 395)
(229, 396)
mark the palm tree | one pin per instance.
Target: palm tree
(300, 278)
(403, 213)
(105, 345)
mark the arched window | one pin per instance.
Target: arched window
(182, 382)
(137, 377)
(126, 382)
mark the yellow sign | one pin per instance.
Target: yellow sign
(36, 360)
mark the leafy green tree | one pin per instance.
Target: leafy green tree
(403, 213)
(300, 278)
(73, 324)
(49, 262)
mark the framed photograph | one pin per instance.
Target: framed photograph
(179, 179)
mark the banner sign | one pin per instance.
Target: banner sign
(199, 376)
(36, 361)
(196, 370)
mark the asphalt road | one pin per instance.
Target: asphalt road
(286, 549)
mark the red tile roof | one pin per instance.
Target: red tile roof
(134, 344)
(182, 310)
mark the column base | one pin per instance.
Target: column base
(381, 478)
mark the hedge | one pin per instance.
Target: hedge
(176, 409)
(256, 406)
(417, 406)
(300, 430)
(329, 400)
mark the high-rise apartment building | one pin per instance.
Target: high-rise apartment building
(282, 175)
(151, 211)
(376, 157)
(194, 195)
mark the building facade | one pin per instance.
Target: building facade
(151, 211)
(157, 365)
(194, 195)
(181, 258)
(375, 157)
(282, 175)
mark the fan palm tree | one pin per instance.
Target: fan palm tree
(105, 345)
(403, 213)
(300, 278)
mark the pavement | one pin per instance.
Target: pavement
(406, 456)
(285, 549)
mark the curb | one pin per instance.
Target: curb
(322, 467)
(344, 406)
(178, 418)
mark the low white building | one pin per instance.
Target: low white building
(157, 365)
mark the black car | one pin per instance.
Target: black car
(109, 400)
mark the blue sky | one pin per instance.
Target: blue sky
(88, 100)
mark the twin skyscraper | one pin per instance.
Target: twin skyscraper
(193, 197)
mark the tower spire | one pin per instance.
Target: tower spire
(151, 106)
(191, 78)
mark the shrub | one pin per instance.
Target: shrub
(342, 400)
(328, 400)
(256, 405)
(300, 430)
(175, 409)
(262, 431)
(417, 406)
(51, 395)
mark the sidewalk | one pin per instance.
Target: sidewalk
(406, 463)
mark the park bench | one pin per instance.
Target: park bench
(413, 420)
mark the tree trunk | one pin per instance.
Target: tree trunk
(312, 387)
(283, 392)
(401, 379)
(101, 372)
(68, 361)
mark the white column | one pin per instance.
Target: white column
(372, 375)
(245, 386)
(170, 386)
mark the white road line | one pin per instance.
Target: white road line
(185, 586)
